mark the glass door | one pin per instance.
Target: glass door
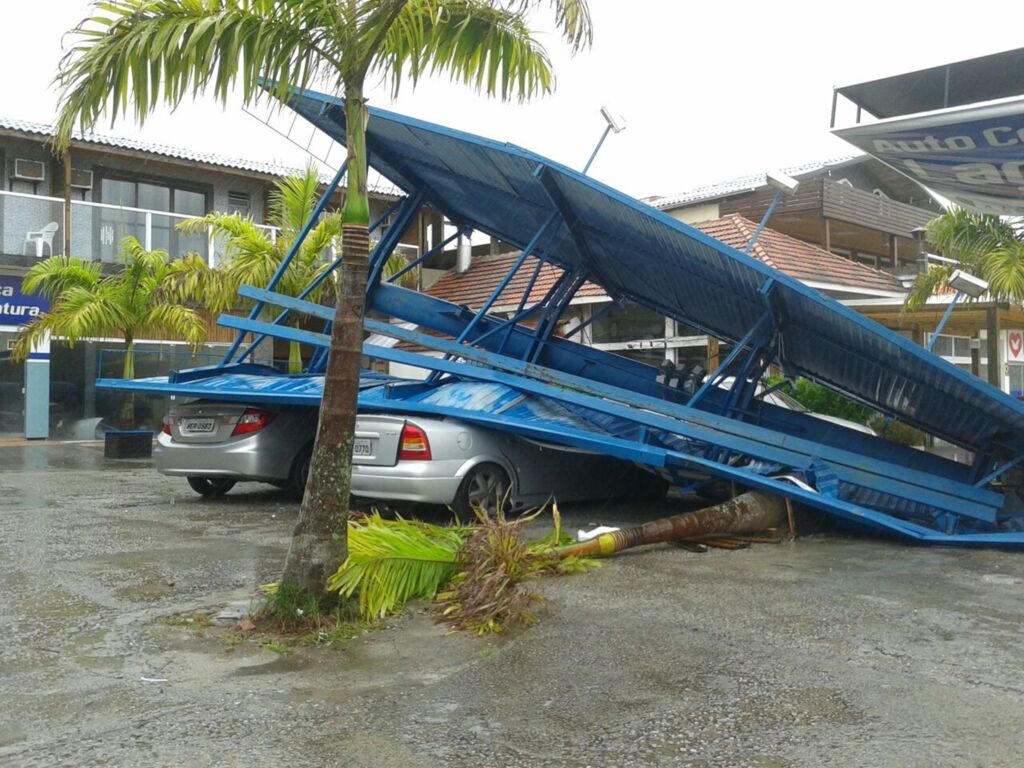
(12, 397)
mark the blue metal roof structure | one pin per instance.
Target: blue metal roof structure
(507, 374)
(635, 252)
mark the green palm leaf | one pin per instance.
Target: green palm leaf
(393, 561)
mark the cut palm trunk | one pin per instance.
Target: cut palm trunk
(748, 513)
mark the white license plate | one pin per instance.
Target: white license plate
(198, 426)
(362, 446)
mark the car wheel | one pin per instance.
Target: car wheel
(210, 487)
(300, 471)
(484, 487)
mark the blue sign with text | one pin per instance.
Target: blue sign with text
(16, 306)
(972, 156)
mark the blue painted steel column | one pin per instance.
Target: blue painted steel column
(387, 243)
(764, 220)
(507, 278)
(944, 320)
(282, 268)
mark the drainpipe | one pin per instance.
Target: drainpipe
(67, 202)
(464, 254)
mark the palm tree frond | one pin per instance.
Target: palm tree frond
(480, 44)
(131, 54)
(393, 561)
(54, 275)
(925, 285)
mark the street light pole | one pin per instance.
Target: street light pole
(616, 125)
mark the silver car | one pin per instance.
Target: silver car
(395, 458)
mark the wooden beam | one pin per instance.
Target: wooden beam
(995, 367)
(712, 353)
(894, 251)
(826, 234)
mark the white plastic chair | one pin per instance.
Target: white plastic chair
(42, 238)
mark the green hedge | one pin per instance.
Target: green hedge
(824, 401)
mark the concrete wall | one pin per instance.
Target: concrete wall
(694, 213)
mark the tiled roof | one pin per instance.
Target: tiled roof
(798, 259)
(378, 185)
(805, 262)
(475, 286)
(740, 184)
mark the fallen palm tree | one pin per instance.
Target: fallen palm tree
(749, 513)
(477, 572)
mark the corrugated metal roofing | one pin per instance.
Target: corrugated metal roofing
(648, 257)
(738, 184)
(377, 186)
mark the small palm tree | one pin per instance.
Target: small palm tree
(987, 246)
(127, 304)
(253, 254)
(133, 54)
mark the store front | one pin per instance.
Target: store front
(24, 385)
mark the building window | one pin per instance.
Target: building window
(240, 203)
(157, 199)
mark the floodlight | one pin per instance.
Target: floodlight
(618, 125)
(782, 182)
(966, 283)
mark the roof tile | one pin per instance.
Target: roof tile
(798, 259)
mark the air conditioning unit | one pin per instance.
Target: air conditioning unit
(29, 170)
(81, 179)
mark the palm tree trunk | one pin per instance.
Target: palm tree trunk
(126, 417)
(319, 541)
(751, 512)
(294, 357)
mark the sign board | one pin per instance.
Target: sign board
(974, 156)
(1015, 346)
(16, 306)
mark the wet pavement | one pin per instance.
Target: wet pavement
(829, 651)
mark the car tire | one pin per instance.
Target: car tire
(210, 487)
(299, 473)
(485, 485)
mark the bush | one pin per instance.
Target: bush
(896, 431)
(824, 401)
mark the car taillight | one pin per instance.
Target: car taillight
(253, 420)
(166, 428)
(413, 444)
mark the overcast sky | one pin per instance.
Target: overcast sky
(708, 91)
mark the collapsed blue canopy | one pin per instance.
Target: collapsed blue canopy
(637, 253)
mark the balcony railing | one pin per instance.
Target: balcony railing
(32, 227)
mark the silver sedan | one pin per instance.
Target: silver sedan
(395, 458)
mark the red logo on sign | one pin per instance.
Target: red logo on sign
(1016, 344)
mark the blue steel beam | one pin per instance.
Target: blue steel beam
(403, 217)
(316, 282)
(625, 449)
(503, 283)
(698, 425)
(294, 249)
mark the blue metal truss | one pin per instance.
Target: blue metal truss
(505, 374)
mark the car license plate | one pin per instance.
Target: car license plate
(362, 446)
(198, 426)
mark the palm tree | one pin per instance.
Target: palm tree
(987, 246)
(253, 254)
(127, 304)
(134, 53)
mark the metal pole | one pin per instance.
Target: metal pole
(942, 322)
(597, 149)
(764, 220)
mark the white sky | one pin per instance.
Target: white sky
(708, 92)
